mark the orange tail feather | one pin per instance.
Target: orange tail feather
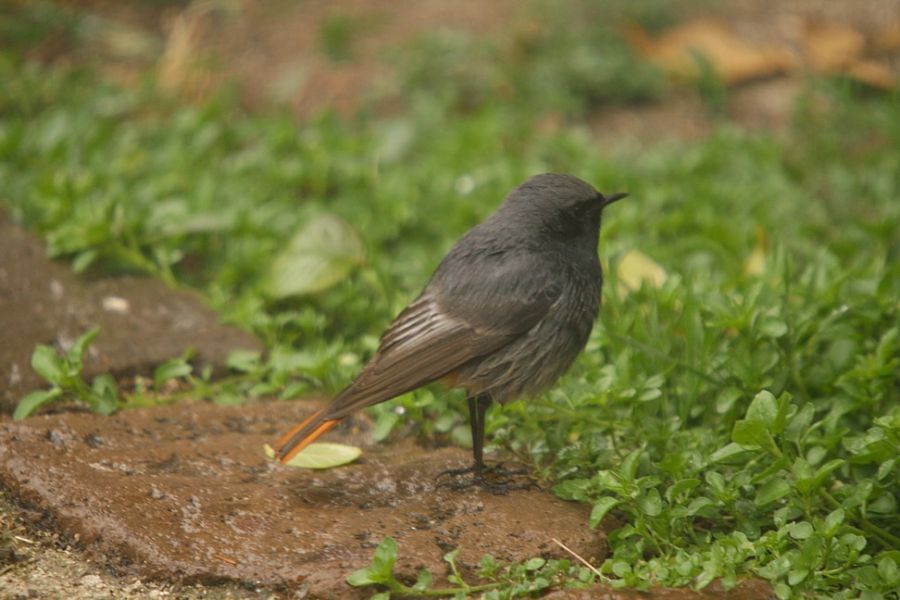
(302, 435)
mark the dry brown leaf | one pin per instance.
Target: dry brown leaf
(888, 39)
(873, 73)
(733, 59)
(179, 69)
(832, 47)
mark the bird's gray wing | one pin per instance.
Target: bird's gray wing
(485, 309)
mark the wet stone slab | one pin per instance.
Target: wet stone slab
(142, 321)
(185, 493)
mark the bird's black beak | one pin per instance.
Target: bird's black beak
(607, 200)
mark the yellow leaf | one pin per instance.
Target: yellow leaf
(756, 262)
(636, 268)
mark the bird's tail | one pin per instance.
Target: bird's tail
(303, 435)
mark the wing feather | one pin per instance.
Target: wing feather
(449, 325)
(423, 345)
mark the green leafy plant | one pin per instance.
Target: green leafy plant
(63, 372)
(534, 576)
(172, 369)
(381, 572)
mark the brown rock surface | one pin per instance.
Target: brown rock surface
(185, 493)
(142, 322)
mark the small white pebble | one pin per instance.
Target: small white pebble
(91, 580)
(15, 376)
(115, 304)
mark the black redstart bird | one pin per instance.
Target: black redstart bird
(504, 315)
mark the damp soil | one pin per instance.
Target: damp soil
(185, 494)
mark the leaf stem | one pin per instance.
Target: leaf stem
(884, 537)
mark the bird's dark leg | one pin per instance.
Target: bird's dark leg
(477, 413)
(478, 406)
(494, 478)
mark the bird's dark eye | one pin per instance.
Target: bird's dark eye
(579, 211)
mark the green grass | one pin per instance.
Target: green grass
(737, 421)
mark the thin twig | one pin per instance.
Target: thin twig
(22, 539)
(580, 559)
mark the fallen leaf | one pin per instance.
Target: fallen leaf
(733, 59)
(831, 47)
(320, 255)
(323, 455)
(179, 70)
(636, 268)
(888, 39)
(873, 73)
(756, 262)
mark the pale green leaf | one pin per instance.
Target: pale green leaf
(322, 253)
(800, 530)
(651, 503)
(47, 363)
(245, 361)
(33, 401)
(601, 507)
(772, 491)
(384, 557)
(423, 582)
(171, 369)
(78, 349)
(751, 434)
(834, 520)
(727, 452)
(324, 455)
(763, 409)
(362, 577)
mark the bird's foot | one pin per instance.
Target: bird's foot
(494, 478)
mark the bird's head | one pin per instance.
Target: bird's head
(557, 205)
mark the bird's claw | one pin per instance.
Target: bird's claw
(494, 478)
